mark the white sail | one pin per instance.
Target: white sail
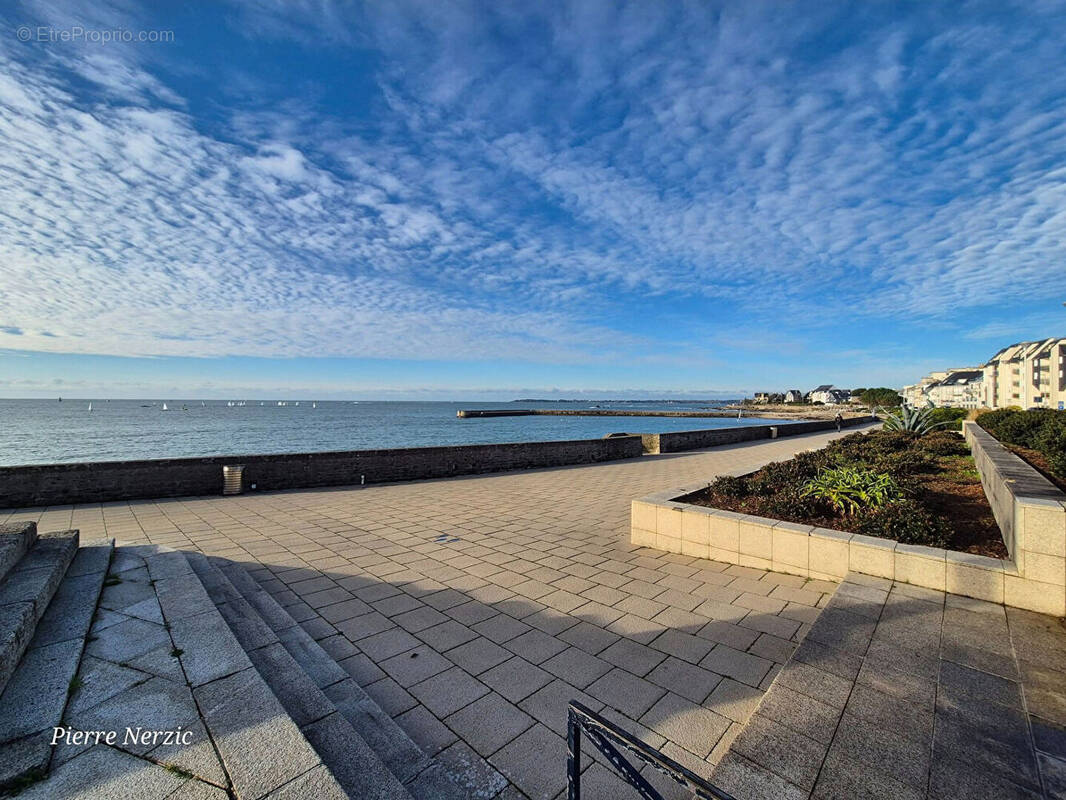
(164, 406)
(90, 405)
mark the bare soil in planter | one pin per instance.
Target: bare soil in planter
(953, 492)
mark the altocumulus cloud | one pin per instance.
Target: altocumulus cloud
(529, 175)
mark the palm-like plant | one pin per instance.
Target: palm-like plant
(848, 489)
(910, 419)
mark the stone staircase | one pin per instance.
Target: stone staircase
(367, 752)
(48, 593)
(105, 638)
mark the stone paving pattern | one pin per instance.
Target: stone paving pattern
(473, 609)
(910, 693)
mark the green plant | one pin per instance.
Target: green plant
(905, 521)
(910, 419)
(1043, 430)
(849, 489)
(882, 396)
(943, 443)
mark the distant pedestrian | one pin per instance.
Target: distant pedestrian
(839, 420)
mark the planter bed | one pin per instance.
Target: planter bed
(1029, 510)
(937, 475)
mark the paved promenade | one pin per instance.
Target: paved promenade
(473, 609)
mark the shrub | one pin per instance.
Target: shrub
(905, 521)
(847, 489)
(912, 420)
(943, 443)
(1043, 430)
(735, 488)
(952, 417)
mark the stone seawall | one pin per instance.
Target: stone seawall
(678, 441)
(54, 484)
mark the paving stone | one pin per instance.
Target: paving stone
(522, 763)
(446, 693)
(734, 700)
(955, 779)
(260, 745)
(447, 635)
(549, 705)
(536, 646)
(36, 694)
(317, 628)
(472, 772)
(684, 646)
(802, 714)
(179, 597)
(743, 667)
(384, 645)
(828, 659)
(515, 679)
(633, 657)
(501, 628)
(902, 759)
(362, 669)
(478, 655)
(104, 772)
(246, 624)
(636, 628)
(744, 779)
(100, 680)
(209, 650)
(338, 647)
(695, 728)
(489, 723)
(15, 540)
(1012, 759)
(576, 666)
(590, 638)
(843, 630)
(414, 666)
(687, 680)
(25, 756)
(890, 714)
(161, 662)
(359, 628)
(1053, 771)
(426, 730)
(843, 779)
(813, 682)
(1049, 736)
(960, 680)
(392, 698)
(318, 783)
(624, 691)
(728, 634)
(16, 630)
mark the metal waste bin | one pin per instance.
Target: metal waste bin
(232, 479)
(773, 431)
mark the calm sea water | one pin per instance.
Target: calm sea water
(48, 431)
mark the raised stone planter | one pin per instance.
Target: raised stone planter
(1030, 511)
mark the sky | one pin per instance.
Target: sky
(489, 200)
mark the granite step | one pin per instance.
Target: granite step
(27, 589)
(423, 776)
(15, 539)
(287, 664)
(36, 696)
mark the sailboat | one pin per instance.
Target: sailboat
(314, 404)
(90, 405)
(165, 407)
(203, 404)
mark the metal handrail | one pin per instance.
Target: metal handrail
(601, 733)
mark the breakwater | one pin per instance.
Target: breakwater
(101, 481)
(474, 413)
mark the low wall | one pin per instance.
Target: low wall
(678, 441)
(55, 484)
(1025, 504)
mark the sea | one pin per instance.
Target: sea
(53, 431)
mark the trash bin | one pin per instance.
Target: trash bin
(773, 431)
(232, 479)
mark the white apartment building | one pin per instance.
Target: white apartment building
(1028, 375)
(960, 389)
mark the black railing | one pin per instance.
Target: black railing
(601, 733)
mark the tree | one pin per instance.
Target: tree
(882, 396)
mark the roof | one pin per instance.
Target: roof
(967, 376)
(825, 387)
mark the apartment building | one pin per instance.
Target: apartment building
(959, 389)
(1028, 375)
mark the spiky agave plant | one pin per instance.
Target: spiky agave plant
(910, 419)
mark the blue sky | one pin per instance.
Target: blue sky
(489, 200)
